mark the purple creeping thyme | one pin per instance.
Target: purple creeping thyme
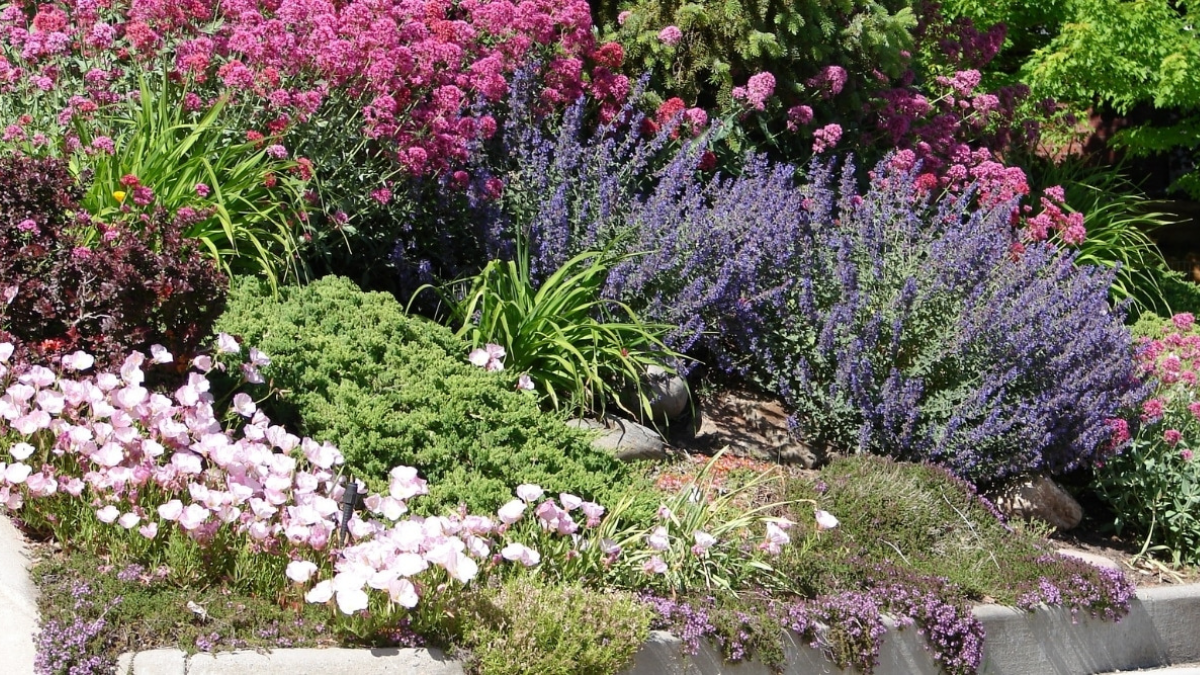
(73, 648)
(1103, 593)
(689, 623)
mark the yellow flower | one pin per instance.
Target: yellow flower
(119, 196)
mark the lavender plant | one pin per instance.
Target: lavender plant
(920, 329)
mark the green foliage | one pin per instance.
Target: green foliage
(576, 347)
(244, 224)
(726, 41)
(526, 627)
(388, 389)
(1119, 220)
(1123, 55)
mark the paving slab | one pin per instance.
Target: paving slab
(18, 601)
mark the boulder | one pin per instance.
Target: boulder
(668, 394)
(1041, 498)
(628, 441)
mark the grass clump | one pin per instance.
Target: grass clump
(389, 389)
(526, 627)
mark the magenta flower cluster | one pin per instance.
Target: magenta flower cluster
(415, 68)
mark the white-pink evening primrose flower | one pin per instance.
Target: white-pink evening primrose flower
(108, 514)
(654, 565)
(300, 571)
(226, 344)
(826, 520)
(520, 553)
(529, 492)
(658, 539)
(511, 512)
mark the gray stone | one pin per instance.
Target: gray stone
(668, 394)
(324, 662)
(1041, 498)
(156, 662)
(628, 440)
(1091, 558)
(18, 601)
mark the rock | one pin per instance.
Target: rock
(749, 426)
(668, 394)
(629, 441)
(1090, 558)
(1041, 498)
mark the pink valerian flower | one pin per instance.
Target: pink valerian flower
(1183, 321)
(759, 88)
(202, 190)
(670, 36)
(798, 116)
(1172, 437)
(830, 80)
(1186, 455)
(1152, 409)
(826, 137)
(623, 17)
(277, 151)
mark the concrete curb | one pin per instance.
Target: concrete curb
(1162, 628)
(18, 601)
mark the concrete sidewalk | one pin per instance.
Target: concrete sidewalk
(18, 602)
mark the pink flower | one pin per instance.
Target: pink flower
(654, 565)
(1152, 409)
(1184, 321)
(1171, 437)
(623, 17)
(525, 383)
(670, 36)
(704, 541)
(825, 520)
(511, 512)
(108, 514)
(202, 190)
(277, 151)
(1186, 455)
(520, 553)
(149, 530)
(300, 571)
(569, 501)
(529, 492)
(798, 116)
(758, 89)
(826, 137)
(658, 540)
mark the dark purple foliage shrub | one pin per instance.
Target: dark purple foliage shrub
(916, 329)
(127, 290)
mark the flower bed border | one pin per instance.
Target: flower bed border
(1160, 629)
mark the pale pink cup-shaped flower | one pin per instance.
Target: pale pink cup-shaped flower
(300, 571)
(659, 540)
(654, 565)
(530, 492)
(511, 512)
(826, 520)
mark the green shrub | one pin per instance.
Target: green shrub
(351, 368)
(524, 627)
